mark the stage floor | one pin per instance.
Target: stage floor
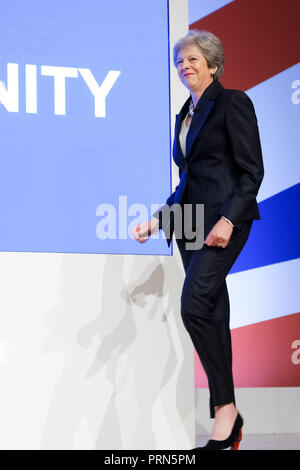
(263, 441)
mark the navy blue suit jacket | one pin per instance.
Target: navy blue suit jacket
(223, 167)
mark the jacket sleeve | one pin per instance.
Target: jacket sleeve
(241, 124)
(159, 214)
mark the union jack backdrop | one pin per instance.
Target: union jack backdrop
(261, 43)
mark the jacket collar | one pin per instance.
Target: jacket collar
(210, 93)
(201, 113)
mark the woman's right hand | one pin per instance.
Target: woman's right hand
(142, 232)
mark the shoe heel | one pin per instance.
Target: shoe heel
(236, 444)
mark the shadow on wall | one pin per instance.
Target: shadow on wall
(121, 367)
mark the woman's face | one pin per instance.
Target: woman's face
(192, 68)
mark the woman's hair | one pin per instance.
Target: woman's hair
(210, 46)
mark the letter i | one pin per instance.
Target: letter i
(31, 88)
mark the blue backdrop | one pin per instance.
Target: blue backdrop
(85, 124)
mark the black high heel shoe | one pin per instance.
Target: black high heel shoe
(233, 441)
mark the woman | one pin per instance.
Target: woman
(217, 149)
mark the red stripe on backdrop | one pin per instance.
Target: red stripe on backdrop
(260, 39)
(265, 354)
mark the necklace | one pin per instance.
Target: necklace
(191, 108)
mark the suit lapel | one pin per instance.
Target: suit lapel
(198, 121)
(202, 111)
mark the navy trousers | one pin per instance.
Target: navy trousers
(205, 310)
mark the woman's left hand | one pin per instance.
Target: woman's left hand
(219, 235)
